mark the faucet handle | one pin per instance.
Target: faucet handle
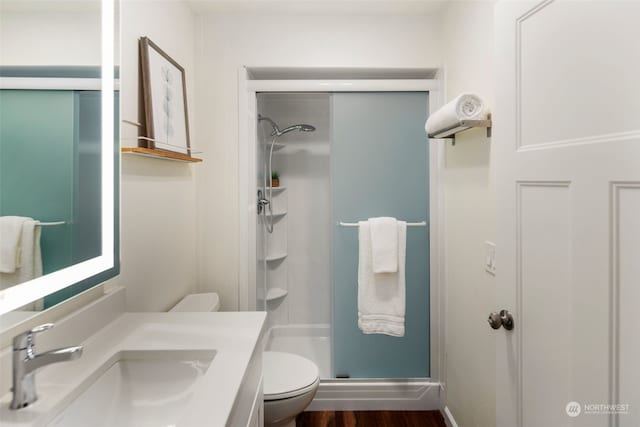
(25, 339)
(42, 328)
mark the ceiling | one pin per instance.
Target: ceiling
(260, 7)
(319, 7)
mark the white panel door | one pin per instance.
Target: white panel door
(567, 153)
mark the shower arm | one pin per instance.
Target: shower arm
(276, 130)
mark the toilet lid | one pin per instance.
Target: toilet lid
(197, 303)
(287, 375)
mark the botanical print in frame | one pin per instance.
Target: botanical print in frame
(165, 100)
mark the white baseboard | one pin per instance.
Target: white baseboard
(448, 418)
(366, 395)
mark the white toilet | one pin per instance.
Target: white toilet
(198, 303)
(290, 381)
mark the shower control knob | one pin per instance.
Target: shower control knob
(262, 202)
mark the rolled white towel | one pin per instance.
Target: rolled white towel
(467, 106)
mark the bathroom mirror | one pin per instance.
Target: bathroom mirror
(58, 152)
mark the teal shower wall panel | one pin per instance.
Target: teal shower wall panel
(380, 167)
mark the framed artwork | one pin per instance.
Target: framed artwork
(165, 100)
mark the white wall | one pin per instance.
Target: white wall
(231, 41)
(470, 212)
(31, 36)
(304, 167)
(158, 202)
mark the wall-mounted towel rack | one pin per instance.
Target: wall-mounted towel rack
(450, 132)
(49, 224)
(409, 224)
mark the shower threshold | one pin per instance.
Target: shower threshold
(314, 343)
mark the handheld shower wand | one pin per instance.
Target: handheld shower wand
(263, 201)
(277, 132)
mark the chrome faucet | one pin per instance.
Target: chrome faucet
(26, 361)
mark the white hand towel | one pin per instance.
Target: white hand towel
(30, 262)
(381, 297)
(384, 244)
(467, 106)
(10, 242)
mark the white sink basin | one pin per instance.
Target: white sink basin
(138, 388)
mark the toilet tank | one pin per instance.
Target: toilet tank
(198, 303)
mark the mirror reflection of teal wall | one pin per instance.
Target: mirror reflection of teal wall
(37, 165)
(86, 231)
(50, 168)
(380, 167)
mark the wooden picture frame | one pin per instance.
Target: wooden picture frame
(164, 92)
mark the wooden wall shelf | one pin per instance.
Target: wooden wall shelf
(160, 154)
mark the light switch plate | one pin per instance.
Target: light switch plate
(490, 257)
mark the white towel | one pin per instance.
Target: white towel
(384, 244)
(29, 264)
(381, 297)
(467, 106)
(10, 245)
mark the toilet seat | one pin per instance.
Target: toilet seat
(287, 375)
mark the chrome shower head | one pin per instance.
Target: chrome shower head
(301, 128)
(278, 132)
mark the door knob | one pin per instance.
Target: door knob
(494, 320)
(502, 318)
(507, 319)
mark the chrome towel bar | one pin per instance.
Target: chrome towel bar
(409, 224)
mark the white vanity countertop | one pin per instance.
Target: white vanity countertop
(234, 337)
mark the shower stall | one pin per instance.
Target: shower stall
(341, 157)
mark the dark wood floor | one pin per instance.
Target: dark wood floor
(371, 419)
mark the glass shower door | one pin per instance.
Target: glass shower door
(380, 167)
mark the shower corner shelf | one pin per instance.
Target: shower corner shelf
(276, 293)
(159, 154)
(276, 189)
(276, 257)
(276, 146)
(276, 215)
